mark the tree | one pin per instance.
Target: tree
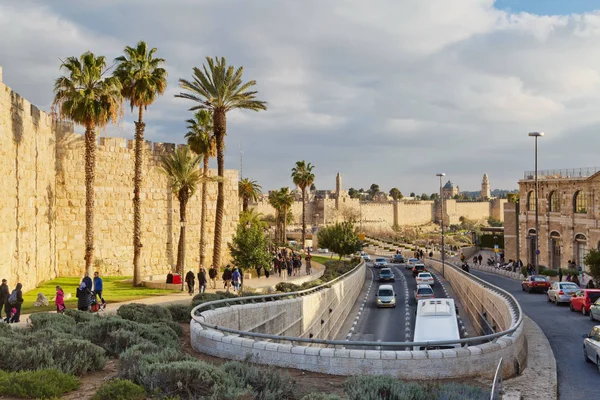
(424, 196)
(353, 193)
(303, 177)
(254, 218)
(340, 238)
(494, 222)
(248, 190)
(219, 88)
(282, 201)
(434, 196)
(249, 247)
(202, 142)
(88, 98)
(142, 80)
(373, 190)
(312, 187)
(181, 167)
(592, 260)
(412, 194)
(396, 193)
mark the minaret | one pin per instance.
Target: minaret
(485, 188)
(338, 190)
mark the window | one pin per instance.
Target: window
(531, 201)
(580, 205)
(580, 248)
(554, 201)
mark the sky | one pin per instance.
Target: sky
(387, 92)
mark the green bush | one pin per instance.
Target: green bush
(180, 312)
(321, 396)
(266, 383)
(57, 322)
(287, 287)
(548, 272)
(40, 384)
(80, 316)
(143, 313)
(120, 389)
(134, 357)
(454, 391)
(382, 387)
(206, 297)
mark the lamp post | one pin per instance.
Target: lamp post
(441, 174)
(536, 135)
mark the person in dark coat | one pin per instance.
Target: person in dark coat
(84, 297)
(227, 274)
(202, 280)
(17, 306)
(190, 279)
(88, 282)
(212, 274)
(560, 274)
(4, 293)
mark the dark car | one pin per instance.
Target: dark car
(386, 274)
(535, 283)
(417, 269)
(398, 259)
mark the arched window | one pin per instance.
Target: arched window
(580, 203)
(580, 248)
(531, 201)
(554, 202)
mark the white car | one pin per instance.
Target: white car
(425, 278)
(365, 256)
(411, 263)
(380, 262)
(591, 346)
(561, 292)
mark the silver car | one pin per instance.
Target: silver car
(595, 311)
(591, 346)
(561, 292)
(380, 263)
(423, 292)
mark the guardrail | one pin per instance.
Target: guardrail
(497, 385)
(517, 312)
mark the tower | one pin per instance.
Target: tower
(485, 188)
(338, 189)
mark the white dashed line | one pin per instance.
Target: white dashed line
(362, 306)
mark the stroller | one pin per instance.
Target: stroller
(95, 305)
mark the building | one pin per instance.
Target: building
(449, 190)
(486, 192)
(569, 210)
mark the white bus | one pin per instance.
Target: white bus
(436, 321)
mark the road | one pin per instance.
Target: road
(576, 378)
(391, 324)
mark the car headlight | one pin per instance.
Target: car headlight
(379, 300)
(393, 301)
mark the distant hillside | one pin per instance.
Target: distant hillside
(500, 193)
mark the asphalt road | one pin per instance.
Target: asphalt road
(391, 324)
(576, 378)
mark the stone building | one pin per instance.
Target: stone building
(486, 192)
(569, 213)
(449, 190)
(42, 203)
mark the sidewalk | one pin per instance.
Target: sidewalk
(259, 284)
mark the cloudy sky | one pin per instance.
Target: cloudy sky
(388, 92)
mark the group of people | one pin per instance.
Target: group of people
(87, 294)
(11, 302)
(203, 279)
(289, 263)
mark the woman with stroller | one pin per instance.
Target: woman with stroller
(84, 297)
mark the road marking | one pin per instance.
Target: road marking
(361, 308)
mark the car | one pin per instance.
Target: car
(417, 269)
(561, 292)
(583, 299)
(535, 283)
(386, 274)
(594, 313)
(323, 251)
(380, 262)
(591, 346)
(366, 257)
(386, 297)
(398, 259)
(423, 292)
(425, 278)
(411, 263)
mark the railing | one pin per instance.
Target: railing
(344, 343)
(497, 384)
(562, 173)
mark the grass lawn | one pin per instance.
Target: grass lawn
(322, 260)
(116, 289)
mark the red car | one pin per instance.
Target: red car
(583, 299)
(535, 283)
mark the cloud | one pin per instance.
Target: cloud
(390, 93)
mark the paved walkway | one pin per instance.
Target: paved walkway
(260, 284)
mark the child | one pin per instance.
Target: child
(60, 300)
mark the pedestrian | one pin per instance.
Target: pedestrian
(308, 263)
(202, 280)
(235, 277)
(267, 270)
(289, 266)
(4, 293)
(590, 284)
(258, 269)
(84, 297)
(190, 279)
(212, 275)
(575, 280)
(98, 289)
(560, 274)
(479, 258)
(282, 269)
(60, 300)
(431, 254)
(15, 301)
(241, 271)
(475, 260)
(88, 281)
(227, 277)
(569, 278)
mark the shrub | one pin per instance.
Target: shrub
(40, 384)
(79, 316)
(287, 287)
(180, 312)
(321, 396)
(134, 357)
(172, 325)
(143, 313)
(120, 389)
(455, 391)
(57, 322)
(206, 297)
(266, 383)
(381, 387)
(548, 272)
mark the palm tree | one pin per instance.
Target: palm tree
(201, 141)
(142, 79)
(181, 167)
(252, 217)
(88, 98)
(248, 190)
(282, 201)
(219, 88)
(303, 177)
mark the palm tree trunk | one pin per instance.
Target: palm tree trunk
(90, 174)
(220, 129)
(137, 186)
(203, 214)
(285, 213)
(245, 204)
(303, 216)
(183, 199)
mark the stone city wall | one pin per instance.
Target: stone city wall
(42, 230)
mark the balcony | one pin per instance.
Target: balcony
(567, 173)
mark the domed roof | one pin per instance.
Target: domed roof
(449, 185)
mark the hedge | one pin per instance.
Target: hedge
(40, 384)
(120, 389)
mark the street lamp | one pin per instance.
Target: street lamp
(441, 174)
(536, 135)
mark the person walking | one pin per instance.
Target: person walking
(88, 281)
(308, 263)
(235, 277)
(98, 289)
(560, 274)
(267, 270)
(202, 280)
(479, 258)
(4, 293)
(290, 266)
(60, 300)
(190, 279)
(84, 297)
(227, 274)
(15, 300)
(258, 269)
(212, 275)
